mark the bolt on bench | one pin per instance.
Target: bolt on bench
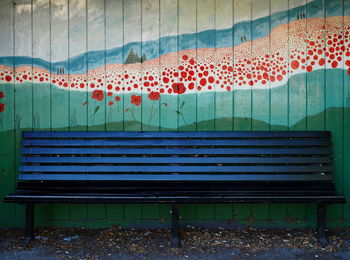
(176, 168)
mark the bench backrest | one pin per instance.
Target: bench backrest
(177, 156)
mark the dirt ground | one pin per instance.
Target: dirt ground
(197, 243)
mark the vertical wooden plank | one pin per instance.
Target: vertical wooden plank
(279, 95)
(187, 59)
(96, 80)
(42, 85)
(150, 76)
(168, 26)
(297, 88)
(335, 102)
(315, 81)
(260, 97)
(41, 49)
(205, 58)
(59, 95)
(77, 40)
(242, 38)
(7, 137)
(59, 56)
(132, 44)
(23, 96)
(114, 38)
(150, 69)
(205, 88)
(347, 109)
(132, 111)
(242, 109)
(114, 109)
(96, 65)
(224, 92)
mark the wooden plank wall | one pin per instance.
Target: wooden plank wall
(56, 30)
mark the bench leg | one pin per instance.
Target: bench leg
(175, 226)
(321, 224)
(29, 224)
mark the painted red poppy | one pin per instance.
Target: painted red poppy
(110, 103)
(2, 107)
(179, 88)
(136, 100)
(154, 95)
(117, 98)
(2, 94)
(98, 95)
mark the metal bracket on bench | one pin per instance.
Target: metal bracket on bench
(175, 226)
(321, 224)
(29, 224)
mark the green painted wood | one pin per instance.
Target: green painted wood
(22, 93)
(114, 211)
(205, 211)
(7, 136)
(334, 119)
(150, 211)
(188, 211)
(223, 211)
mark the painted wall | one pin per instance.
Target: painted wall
(159, 65)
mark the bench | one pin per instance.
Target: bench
(176, 168)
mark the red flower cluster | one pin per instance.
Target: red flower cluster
(2, 106)
(98, 95)
(154, 95)
(179, 88)
(136, 100)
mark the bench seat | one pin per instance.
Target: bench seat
(176, 168)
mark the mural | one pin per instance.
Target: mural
(186, 65)
(258, 54)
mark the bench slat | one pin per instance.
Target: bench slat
(189, 151)
(173, 177)
(166, 142)
(182, 160)
(92, 134)
(174, 169)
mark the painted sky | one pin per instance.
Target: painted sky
(69, 28)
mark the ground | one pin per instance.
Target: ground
(119, 243)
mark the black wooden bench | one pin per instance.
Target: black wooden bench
(176, 168)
